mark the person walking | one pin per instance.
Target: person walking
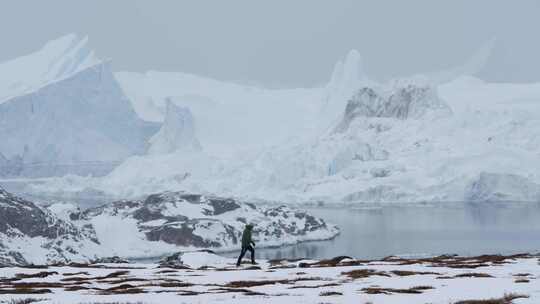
(247, 244)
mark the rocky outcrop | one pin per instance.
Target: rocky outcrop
(31, 234)
(402, 102)
(185, 260)
(110, 260)
(179, 220)
(157, 225)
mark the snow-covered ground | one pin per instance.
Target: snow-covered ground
(207, 278)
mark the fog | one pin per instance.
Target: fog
(284, 43)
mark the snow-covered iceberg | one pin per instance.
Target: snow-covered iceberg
(63, 112)
(177, 132)
(228, 116)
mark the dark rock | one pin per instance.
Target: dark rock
(110, 260)
(20, 218)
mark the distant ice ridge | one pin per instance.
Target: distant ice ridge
(347, 77)
(233, 117)
(177, 132)
(57, 60)
(228, 116)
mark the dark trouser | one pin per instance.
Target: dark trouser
(243, 252)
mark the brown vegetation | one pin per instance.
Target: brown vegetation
(24, 291)
(506, 299)
(122, 289)
(364, 273)
(315, 286)
(24, 301)
(473, 275)
(108, 276)
(406, 273)
(244, 284)
(380, 290)
(466, 275)
(42, 274)
(67, 274)
(454, 261)
(330, 293)
(244, 291)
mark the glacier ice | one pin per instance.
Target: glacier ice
(348, 76)
(502, 187)
(75, 119)
(229, 117)
(177, 132)
(428, 137)
(407, 142)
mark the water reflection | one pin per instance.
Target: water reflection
(461, 228)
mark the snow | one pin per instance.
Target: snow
(213, 283)
(62, 210)
(122, 237)
(197, 259)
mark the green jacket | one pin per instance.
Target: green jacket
(246, 237)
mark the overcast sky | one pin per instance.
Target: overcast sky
(285, 42)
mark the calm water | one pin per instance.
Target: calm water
(409, 230)
(465, 228)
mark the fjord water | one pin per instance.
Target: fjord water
(376, 231)
(423, 229)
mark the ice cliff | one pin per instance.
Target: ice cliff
(66, 114)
